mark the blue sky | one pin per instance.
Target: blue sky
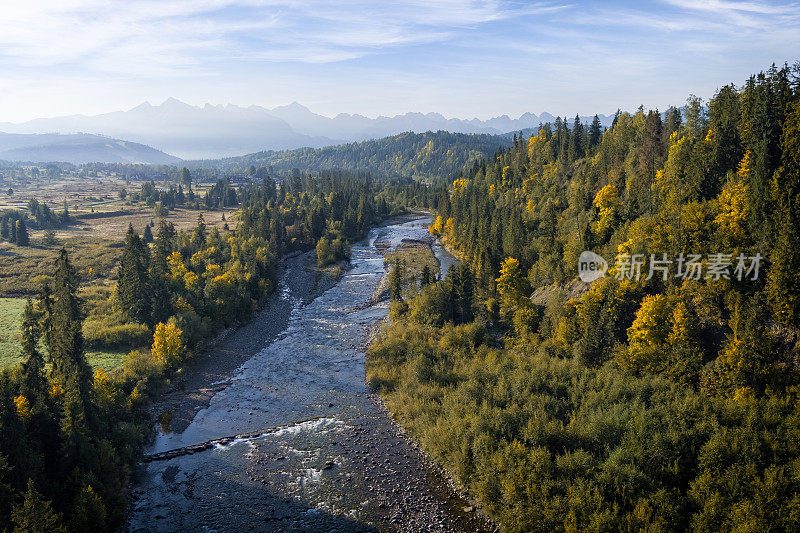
(456, 57)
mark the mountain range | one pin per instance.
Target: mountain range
(78, 148)
(214, 131)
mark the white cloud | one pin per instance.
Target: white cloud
(152, 37)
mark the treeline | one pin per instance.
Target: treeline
(13, 227)
(14, 223)
(221, 194)
(141, 171)
(82, 430)
(431, 154)
(661, 401)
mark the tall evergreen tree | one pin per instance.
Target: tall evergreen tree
(147, 236)
(22, 233)
(34, 382)
(784, 275)
(595, 132)
(71, 374)
(133, 287)
(396, 281)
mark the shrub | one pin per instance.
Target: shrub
(98, 334)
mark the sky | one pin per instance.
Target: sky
(457, 57)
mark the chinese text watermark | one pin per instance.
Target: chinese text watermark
(714, 266)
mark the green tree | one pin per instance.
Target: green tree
(426, 276)
(147, 236)
(396, 278)
(34, 382)
(595, 132)
(784, 275)
(133, 288)
(22, 233)
(186, 178)
(36, 515)
(71, 374)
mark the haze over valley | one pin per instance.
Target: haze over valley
(215, 131)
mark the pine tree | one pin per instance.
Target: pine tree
(465, 290)
(576, 140)
(34, 382)
(133, 288)
(22, 233)
(783, 284)
(426, 276)
(36, 515)
(198, 240)
(71, 374)
(595, 132)
(147, 236)
(163, 247)
(186, 178)
(396, 281)
(65, 216)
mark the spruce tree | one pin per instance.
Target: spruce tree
(426, 276)
(783, 284)
(147, 236)
(595, 132)
(22, 233)
(186, 178)
(163, 247)
(133, 286)
(71, 374)
(396, 281)
(35, 514)
(34, 383)
(198, 240)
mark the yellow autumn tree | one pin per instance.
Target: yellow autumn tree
(648, 335)
(607, 203)
(449, 229)
(105, 390)
(177, 268)
(168, 346)
(734, 206)
(436, 227)
(512, 285)
(23, 407)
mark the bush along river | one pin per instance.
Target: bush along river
(292, 439)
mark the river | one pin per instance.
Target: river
(314, 451)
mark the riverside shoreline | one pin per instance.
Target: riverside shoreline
(293, 440)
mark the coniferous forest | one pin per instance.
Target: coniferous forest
(84, 430)
(660, 392)
(662, 396)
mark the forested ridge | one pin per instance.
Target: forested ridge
(432, 154)
(71, 435)
(656, 402)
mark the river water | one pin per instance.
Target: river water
(319, 453)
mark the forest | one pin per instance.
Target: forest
(84, 428)
(659, 402)
(439, 154)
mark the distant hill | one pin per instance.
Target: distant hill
(428, 154)
(78, 148)
(213, 131)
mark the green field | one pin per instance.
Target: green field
(10, 318)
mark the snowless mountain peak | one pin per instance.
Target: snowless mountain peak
(223, 130)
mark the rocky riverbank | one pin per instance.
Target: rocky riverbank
(292, 439)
